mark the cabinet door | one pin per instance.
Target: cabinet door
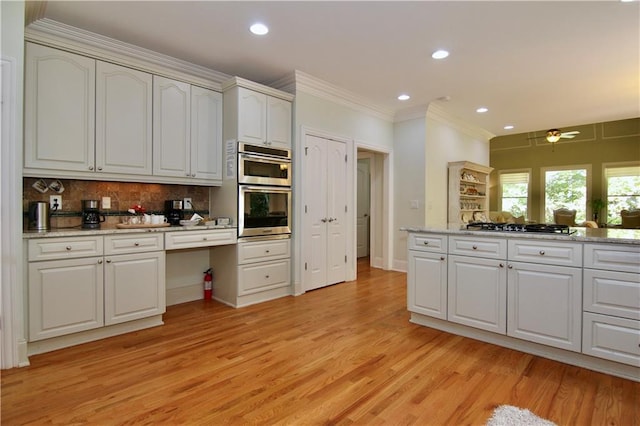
(278, 122)
(59, 127)
(134, 287)
(171, 127)
(477, 293)
(206, 133)
(65, 296)
(427, 284)
(123, 120)
(545, 304)
(252, 116)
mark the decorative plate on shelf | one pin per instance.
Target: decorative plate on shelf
(466, 217)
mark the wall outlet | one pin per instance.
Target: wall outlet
(106, 203)
(186, 204)
(55, 202)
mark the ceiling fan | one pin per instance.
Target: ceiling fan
(554, 135)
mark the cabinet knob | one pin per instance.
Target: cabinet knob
(425, 243)
(475, 247)
(541, 252)
(100, 262)
(204, 238)
(510, 266)
(108, 260)
(68, 248)
(99, 168)
(266, 276)
(266, 251)
(136, 244)
(90, 167)
(188, 175)
(442, 257)
(501, 265)
(193, 175)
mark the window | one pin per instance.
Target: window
(566, 188)
(514, 192)
(622, 186)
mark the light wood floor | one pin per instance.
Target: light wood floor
(339, 355)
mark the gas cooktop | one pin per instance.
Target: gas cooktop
(517, 227)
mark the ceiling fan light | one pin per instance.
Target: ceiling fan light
(553, 135)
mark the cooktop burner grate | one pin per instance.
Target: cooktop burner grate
(517, 227)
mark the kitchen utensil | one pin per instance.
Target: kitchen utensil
(38, 216)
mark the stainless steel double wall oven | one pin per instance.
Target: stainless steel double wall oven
(264, 191)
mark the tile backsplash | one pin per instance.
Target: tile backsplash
(123, 196)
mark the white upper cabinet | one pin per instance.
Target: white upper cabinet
(59, 110)
(252, 116)
(123, 120)
(171, 127)
(257, 118)
(187, 130)
(278, 122)
(206, 133)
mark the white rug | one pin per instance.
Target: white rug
(508, 415)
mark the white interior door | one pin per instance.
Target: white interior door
(325, 174)
(364, 205)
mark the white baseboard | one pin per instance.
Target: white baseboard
(376, 262)
(184, 294)
(399, 265)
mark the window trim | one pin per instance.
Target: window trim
(511, 171)
(543, 186)
(605, 182)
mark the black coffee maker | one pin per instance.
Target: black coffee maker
(91, 216)
(173, 209)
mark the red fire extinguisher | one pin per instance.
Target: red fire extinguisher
(208, 284)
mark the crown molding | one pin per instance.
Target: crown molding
(437, 113)
(252, 85)
(300, 81)
(411, 113)
(33, 11)
(56, 34)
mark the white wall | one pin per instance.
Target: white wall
(315, 113)
(409, 183)
(13, 343)
(446, 142)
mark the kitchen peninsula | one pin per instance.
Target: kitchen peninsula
(574, 298)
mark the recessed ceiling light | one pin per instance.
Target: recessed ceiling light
(259, 28)
(404, 97)
(482, 110)
(508, 127)
(440, 54)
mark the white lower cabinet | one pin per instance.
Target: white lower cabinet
(134, 287)
(74, 290)
(545, 304)
(257, 277)
(427, 284)
(65, 296)
(478, 293)
(612, 338)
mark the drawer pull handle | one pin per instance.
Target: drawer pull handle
(475, 247)
(68, 248)
(541, 252)
(136, 244)
(442, 258)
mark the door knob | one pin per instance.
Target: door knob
(323, 219)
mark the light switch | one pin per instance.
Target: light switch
(106, 203)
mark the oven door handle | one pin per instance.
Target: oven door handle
(265, 158)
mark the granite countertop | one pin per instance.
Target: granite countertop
(593, 235)
(110, 230)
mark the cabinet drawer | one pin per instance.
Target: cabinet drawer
(616, 339)
(546, 252)
(478, 247)
(257, 277)
(64, 248)
(260, 251)
(190, 239)
(612, 257)
(428, 242)
(133, 243)
(612, 293)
